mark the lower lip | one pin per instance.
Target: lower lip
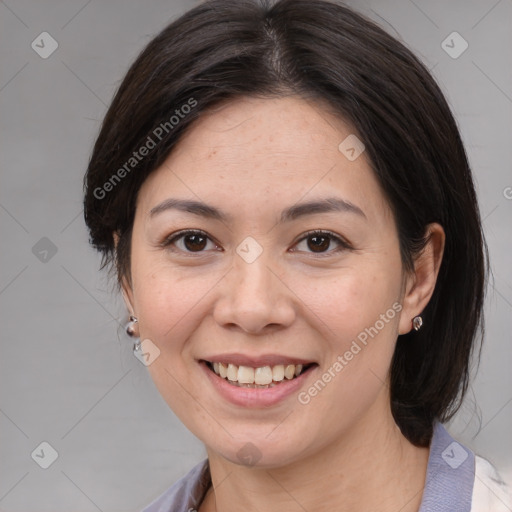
(256, 397)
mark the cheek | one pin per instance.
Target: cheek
(165, 296)
(357, 351)
(171, 306)
(352, 301)
(168, 304)
(358, 315)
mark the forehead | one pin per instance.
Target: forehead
(254, 153)
(270, 128)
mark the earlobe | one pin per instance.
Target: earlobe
(421, 283)
(132, 327)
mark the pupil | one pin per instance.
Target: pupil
(318, 245)
(192, 242)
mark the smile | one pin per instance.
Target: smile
(261, 377)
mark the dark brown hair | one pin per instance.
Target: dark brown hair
(316, 49)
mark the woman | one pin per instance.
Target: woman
(284, 195)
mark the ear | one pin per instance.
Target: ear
(126, 288)
(128, 297)
(420, 283)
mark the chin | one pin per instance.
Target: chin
(258, 451)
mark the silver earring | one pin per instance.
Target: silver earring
(130, 327)
(417, 322)
(131, 330)
(137, 347)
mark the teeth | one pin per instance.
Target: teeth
(245, 375)
(278, 372)
(263, 375)
(289, 371)
(232, 372)
(254, 377)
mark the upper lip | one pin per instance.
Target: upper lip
(256, 361)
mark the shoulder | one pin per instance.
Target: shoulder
(186, 494)
(491, 493)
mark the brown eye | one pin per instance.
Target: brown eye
(195, 242)
(188, 242)
(320, 242)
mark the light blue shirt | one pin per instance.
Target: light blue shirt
(448, 485)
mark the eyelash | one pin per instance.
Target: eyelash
(343, 244)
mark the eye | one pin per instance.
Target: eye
(320, 241)
(189, 241)
(196, 241)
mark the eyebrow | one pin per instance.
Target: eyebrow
(327, 205)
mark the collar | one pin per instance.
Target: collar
(450, 475)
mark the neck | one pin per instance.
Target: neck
(373, 467)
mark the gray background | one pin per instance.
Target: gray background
(67, 374)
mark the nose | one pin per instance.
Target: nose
(254, 298)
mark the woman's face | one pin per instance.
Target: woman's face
(257, 288)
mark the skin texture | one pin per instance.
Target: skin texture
(252, 158)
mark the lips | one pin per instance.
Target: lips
(252, 395)
(256, 372)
